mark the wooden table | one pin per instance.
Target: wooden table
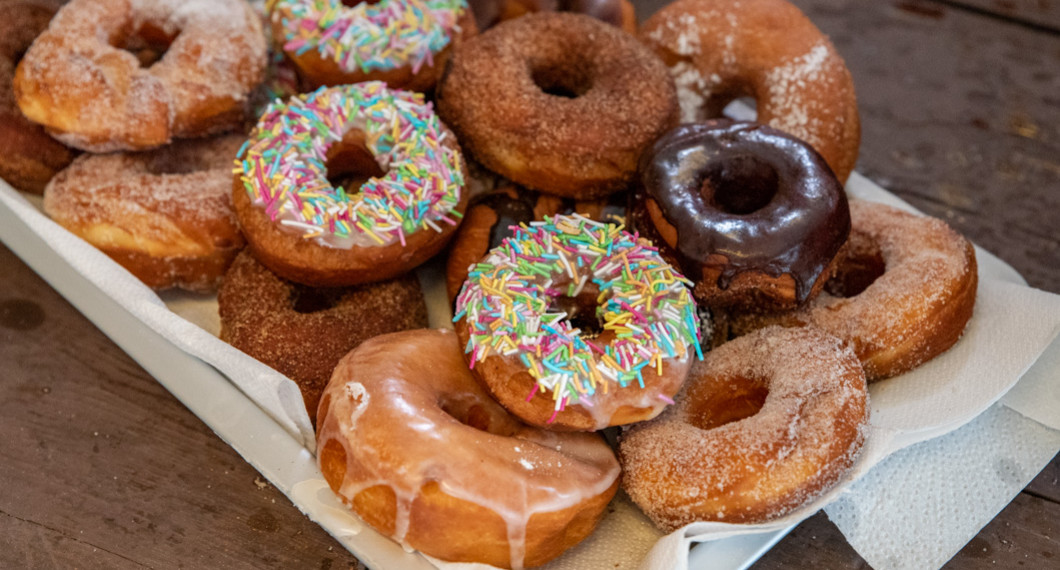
(102, 468)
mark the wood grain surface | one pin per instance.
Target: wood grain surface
(100, 467)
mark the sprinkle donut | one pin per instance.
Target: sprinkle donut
(404, 43)
(718, 51)
(766, 424)
(574, 324)
(412, 443)
(307, 230)
(127, 75)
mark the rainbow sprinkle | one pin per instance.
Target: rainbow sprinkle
(368, 37)
(648, 307)
(283, 166)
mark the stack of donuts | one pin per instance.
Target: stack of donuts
(620, 257)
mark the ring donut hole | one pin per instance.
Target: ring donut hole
(563, 81)
(860, 267)
(307, 300)
(740, 185)
(723, 400)
(148, 44)
(350, 164)
(581, 310)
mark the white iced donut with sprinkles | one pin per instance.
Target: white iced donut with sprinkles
(305, 228)
(402, 42)
(578, 325)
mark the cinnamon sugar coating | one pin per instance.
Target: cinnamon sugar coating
(558, 102)
(165, 215)
(718, 51)
(28, 156)
(766, 424)
(303, 332)
(82, 80)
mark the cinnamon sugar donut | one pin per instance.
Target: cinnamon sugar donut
(307, 230)
(904, 292)
(404, 43)
(194, 66)
(577, 325)
(558, 102)
(410, 441)
(718, 51)
(303, 332)
(165, 215)
(28, 156)
(754, 215)
(766, 424)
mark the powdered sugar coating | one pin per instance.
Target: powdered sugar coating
(693, 464)
(767, 49)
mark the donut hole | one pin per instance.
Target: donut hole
(857, 271)
(350, 164)
(719, 401)
(740, 185)
(473, 414)
(353, 3)
(148, 44)
(580, 310)
(307, 300)
(563, 83)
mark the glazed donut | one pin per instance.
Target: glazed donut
(904, 292)
(410, 441)
(618, 13)
(577, 325)
(165, 215)
(303, 332)
(82, 81)
(558, 102)
(754, 215)
(28, 156)
(305, 229)
(767, 423)
(718, 51)
(404, 43)
(491, 217)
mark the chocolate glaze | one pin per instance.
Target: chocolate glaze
(761, 198)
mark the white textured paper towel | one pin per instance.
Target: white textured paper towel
(969, 375)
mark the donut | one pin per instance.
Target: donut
(904, 291)
(113, 75)
(558, 102)
(766, 424)
(754, 215)
(303, 332)
(408, 439)
(718, 51)
(405, 43)
(28, 156)
(618, 13)
(165, 215)
(309, 231)
(577, 325)
(491, 217)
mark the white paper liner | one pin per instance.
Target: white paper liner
(1000, 344)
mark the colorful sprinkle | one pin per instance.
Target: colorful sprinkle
(388, 35)
(647, 306)
(284, 171)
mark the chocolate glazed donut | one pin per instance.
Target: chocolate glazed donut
(755, 216)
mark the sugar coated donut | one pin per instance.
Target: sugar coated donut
(766, 424)
(755, 215)
(83, 83)
(558, 102)
(165, 215)
(904, 292)
(404, 43)
(493, 216)
(307, 230)
(410, 441)
(28, 156)
(574, 324)
(303, 332)
(718, 51)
